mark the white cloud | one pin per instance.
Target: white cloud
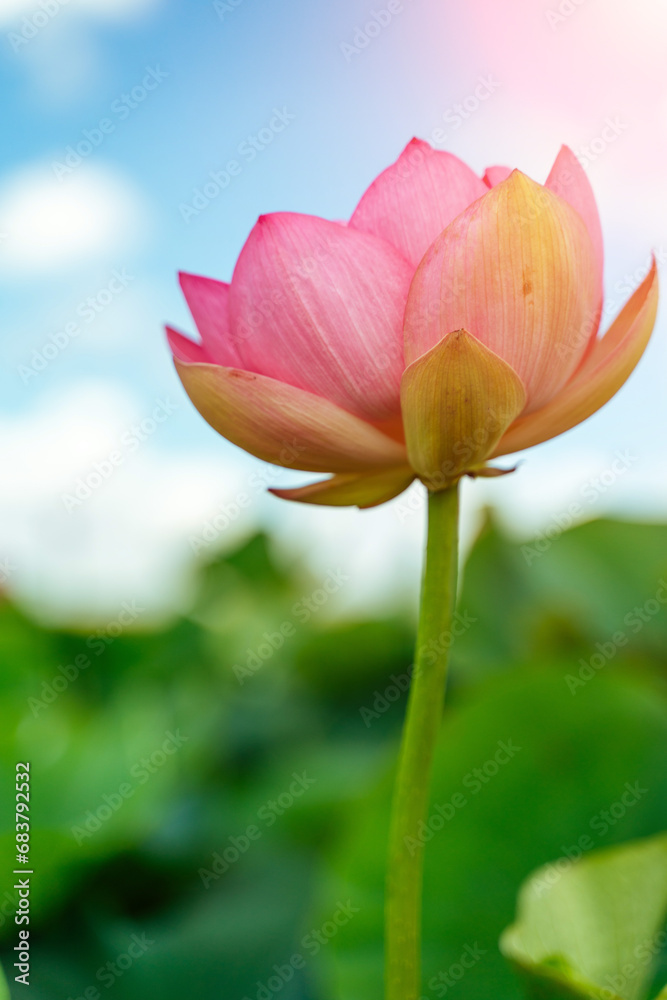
(49, 224)
(12, 11)
(58, 43)
(130, 538)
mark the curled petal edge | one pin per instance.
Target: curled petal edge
(284, 425)
(185, 349)
(352, 490)
(604, 370)
(208, 301)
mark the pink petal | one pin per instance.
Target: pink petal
(517, 270)
(321, 307)
(606, 368)
(568, 180)
(413, 200)
(185, 349)
(208, 301)
(494, 175)
(284, 425)
(353, 490)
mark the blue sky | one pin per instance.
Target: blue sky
(165, 93)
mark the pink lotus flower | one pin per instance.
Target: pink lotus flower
(451, 321)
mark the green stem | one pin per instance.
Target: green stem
(420, 732)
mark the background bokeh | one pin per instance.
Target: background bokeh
(174, 576)
(214, 793)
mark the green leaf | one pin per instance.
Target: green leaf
(562, 590)
(592, 927)
(562, 792)
(4, 988)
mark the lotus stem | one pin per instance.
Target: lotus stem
(420, 733)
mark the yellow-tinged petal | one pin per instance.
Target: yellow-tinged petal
(347, 490)
(285, 425)
(517, 269)
(457, 399)
(604, 371)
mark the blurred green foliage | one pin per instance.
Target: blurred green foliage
(210, 796)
